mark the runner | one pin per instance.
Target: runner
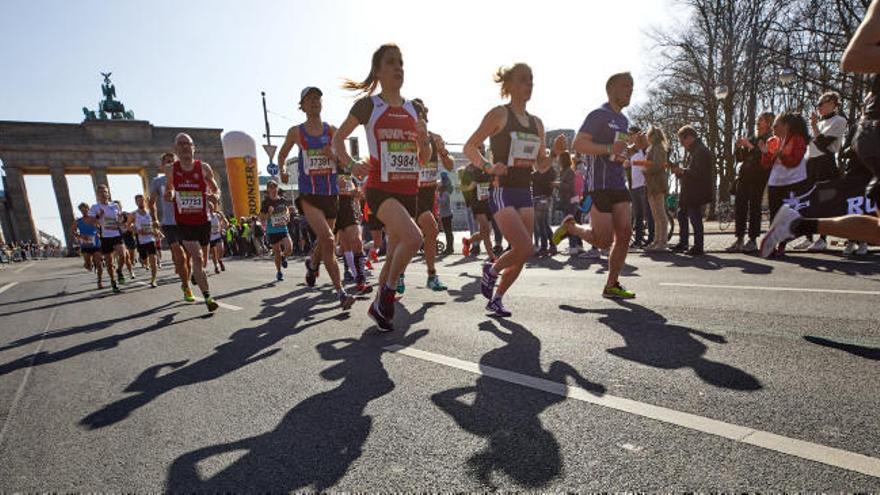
(426, 206)
(130, 243)
(318, 189)
(191, 186)
(516, 139)
(479, 183)
(275, 213)
(108, 216)
(604, 135)
(348, 229)
(141, 222)
(89, 244)
(163, 210)
(861, 56)
(398, 142)
(218, 227)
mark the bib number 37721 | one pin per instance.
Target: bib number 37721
(399, 160)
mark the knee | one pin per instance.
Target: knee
(413, 240)
(603, 241)
(523, 251)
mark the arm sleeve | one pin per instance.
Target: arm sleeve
(591, 123)
(362, 109)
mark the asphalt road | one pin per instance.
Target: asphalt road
(726, 373)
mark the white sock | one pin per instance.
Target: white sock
(349, 262)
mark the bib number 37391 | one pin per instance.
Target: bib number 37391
(317, 163)
(524, 148)
(399, 158)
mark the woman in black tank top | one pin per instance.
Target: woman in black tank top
(516, 139)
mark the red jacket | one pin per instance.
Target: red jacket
(793, 150)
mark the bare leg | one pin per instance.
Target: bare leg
(195, 252)
(404, 239)
(621, 218)
(517, 227)
(862, 227)
(428, 226)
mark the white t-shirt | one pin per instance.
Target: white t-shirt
(833, 127)
(108, 216)
(638, 173)
(780, 175)
(143, 226)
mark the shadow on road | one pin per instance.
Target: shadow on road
(316, 442)
(507, 414)
(653, 342)
(865, 266)
(872, 353)
(710, 262)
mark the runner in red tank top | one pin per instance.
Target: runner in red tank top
(398, 142)
(191, 187)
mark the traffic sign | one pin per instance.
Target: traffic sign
(270, 150)
(272, 169)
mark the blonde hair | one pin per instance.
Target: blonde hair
(368, 86)
(504, 75)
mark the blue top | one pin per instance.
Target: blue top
(317, 173)
(89, 231)
(605, 125)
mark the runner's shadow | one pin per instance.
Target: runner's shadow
(468, 291)
(90, 298)
(710, 262)
(465, 261)
(245, 347)
(872, 353)
(315, 443)
(548, 262)
(104, 344)
(90, 328)
(865, 266)
(62, 293)
(507, 415)
(651, 341)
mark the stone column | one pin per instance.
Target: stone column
(150, 172)
(99, 175)
(62, 197)
(17, 201)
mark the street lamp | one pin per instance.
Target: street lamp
(721, 92)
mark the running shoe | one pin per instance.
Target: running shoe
(818, 246)
(592, 254)
(487, 283)
(561, 232)
(736, 247)
(435, 284)
(382, 310)
(804, 244)
(497, 307)
(849, 248)
(780, 230)
(279, 276)
(863, 249)
(347, 277)
(368, 264)
(750, 246)
(153, 282)
(284, 262)
(311, 273)
(401, 286)
(188, 295)
(216, 270)
(114, 288)
(363, 288)
(120, 278)
(100, 284)
(222, 266)
(465, 247)
(212, 305)
(618, 292)
(192, 279)
(374, 256)
(345, 300)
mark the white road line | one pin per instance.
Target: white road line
(23, 268)
(7, 287)
(778, 289)
(831, 456)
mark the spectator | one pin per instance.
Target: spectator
(542, 192)
(696, 189)
(657, 186)
(750, 184)
(641, 211)
(569, 197)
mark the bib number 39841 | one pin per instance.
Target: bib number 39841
(399, 160)
(524, 148)
(189, 201)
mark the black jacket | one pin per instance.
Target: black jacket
(696, 182)
(750, 170)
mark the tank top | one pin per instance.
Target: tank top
(317, 171)
(88, 233)
(143, 225)
(394, 152)
(872, 101)
(483, 182)
(215, 226)
(190, 206)
(429, 172)
(516, 146)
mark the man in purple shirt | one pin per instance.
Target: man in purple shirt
(604, 136)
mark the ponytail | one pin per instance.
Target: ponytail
(368, 86)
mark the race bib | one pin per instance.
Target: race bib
(109, 222)
(88, 239)
(190, 201)
(429, 173)
(482, 191)
(317, 163)
(144, 229)
(280, 219)
(399, 160)
(524, 148)
(215, 228)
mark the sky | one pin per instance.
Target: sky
(204, 63)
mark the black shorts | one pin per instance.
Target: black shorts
(214, 242)
(146, 249)
(427, 200)
(482, 208)
(347, 216)
(89, 249)
(129, 240)
(275, 238)
(376, 197)
(327, 204)
(108, 243)
(605, 199)
(170, 233)
(866, 143)
(373, 222)
(195, 233)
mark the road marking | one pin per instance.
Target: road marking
(23, 268)
(778, 289)
(7, 287)
(219, 303)
(831, 456)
